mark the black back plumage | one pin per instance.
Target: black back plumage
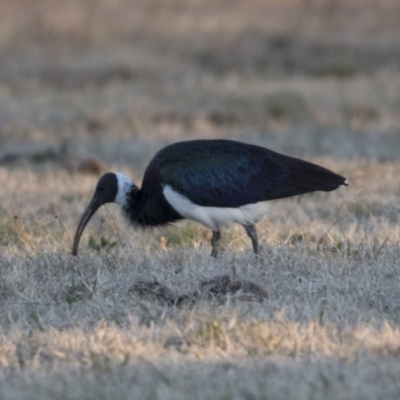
(225, 173)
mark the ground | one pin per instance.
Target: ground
(89, 86)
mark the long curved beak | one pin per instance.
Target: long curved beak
(92, 207)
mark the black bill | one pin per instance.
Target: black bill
(92, 207)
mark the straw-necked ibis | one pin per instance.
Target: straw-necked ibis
(214, 182)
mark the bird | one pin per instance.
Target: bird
(216, 182)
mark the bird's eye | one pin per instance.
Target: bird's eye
(100, 189)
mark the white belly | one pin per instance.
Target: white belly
(216, 217)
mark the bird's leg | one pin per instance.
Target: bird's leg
(252, 233)
(216, 243)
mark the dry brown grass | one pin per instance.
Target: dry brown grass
(142, 315)
(88, 85)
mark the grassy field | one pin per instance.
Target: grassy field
(88, 86)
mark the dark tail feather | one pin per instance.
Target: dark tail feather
(312, 177)
(306, 177)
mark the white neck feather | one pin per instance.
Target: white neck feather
(124, 188)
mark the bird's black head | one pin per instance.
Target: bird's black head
(106, 192)
(106, 189)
